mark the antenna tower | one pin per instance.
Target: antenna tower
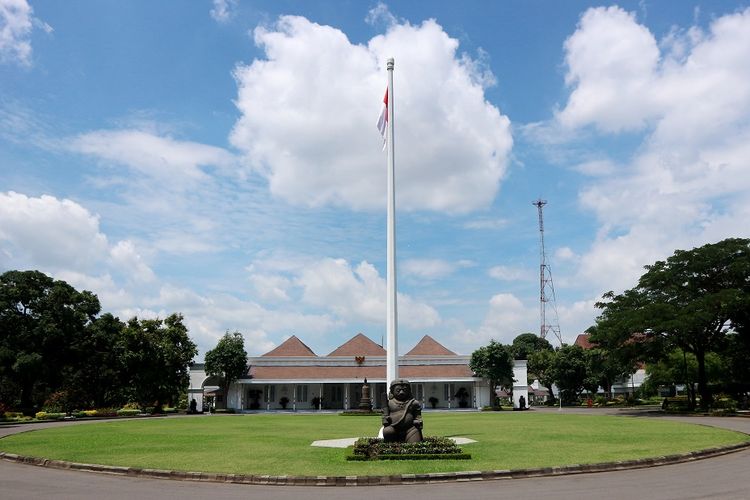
(546, 287)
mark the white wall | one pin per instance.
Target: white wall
(520, 383)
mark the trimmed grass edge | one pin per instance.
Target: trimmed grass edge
(436, 477)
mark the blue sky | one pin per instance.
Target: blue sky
(220, 158)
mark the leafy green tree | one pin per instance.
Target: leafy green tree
(98, 369)
(604, 367)
(227, 361)
(157, 354)
(689, 301)
(736, 352)
(568, 370)
(680, 367)
(495, 363)
(40, 319)
(540, 366)
(526, 344)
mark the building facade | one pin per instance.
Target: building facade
(293, 377)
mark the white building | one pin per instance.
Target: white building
(292, 376)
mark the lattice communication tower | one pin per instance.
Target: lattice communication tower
(546, 287)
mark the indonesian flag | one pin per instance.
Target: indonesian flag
(383, 119)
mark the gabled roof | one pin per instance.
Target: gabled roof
(291, 347)
(583, 341)
(359, 345)
(429, 347)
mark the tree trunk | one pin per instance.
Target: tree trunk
(700, 356)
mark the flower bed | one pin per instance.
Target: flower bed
(432, 448)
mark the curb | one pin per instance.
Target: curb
(435, 477)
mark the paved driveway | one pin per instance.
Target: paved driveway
(724, 477)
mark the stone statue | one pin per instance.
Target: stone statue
(402, 415)
(365, 403)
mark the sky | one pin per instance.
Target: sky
(221, 158)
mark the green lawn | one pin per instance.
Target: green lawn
(280, 444)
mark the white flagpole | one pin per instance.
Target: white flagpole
(391, 311)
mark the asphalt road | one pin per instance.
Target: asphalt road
(724, 477)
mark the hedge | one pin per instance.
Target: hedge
(432, 448)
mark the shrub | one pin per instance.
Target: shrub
(126, 412)
(64, 401)
(106, 412)
(723, 405)
(224, 410)
(169, 410)
(43, 415)
(432, 448)
(676, 404)
(492, 408)
(131, 406)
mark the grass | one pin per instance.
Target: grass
(280, 444)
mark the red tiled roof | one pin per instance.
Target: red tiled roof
(291, 347)
(583, 341)
(429, 347)
(359, 345)
(260, 373)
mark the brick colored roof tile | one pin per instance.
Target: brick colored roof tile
(430, 347)
(583, 341)
(291, 347)
(260, 373)
(359, 345)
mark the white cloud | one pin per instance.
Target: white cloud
(506, 318)
(596, 168)
(508, 273)
(49, 232)
(271, 287)
(358, 294)
(352, 293)
(380, 14)
(125, 256)
(316, 141)
(64, 238)
(687, 184)
(16, 25)
(575, 319)
(486, 223)
(427, 268)
(173, 162)
(611, 62)
(565, 254)
(223, 10)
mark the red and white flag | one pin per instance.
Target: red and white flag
(383, 119)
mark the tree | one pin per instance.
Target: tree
(98, 367)
(495, 363)
(680, 367)
(228, 360)
(568, 370)
(40, 318)
(526, 344)
(614, 358)
(689, 301)
(540, 365)
(156, 354)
